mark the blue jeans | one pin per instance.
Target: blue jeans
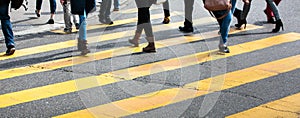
(83, 24)
(116, 4)
(6, 25)
(52, 5)
(225, 22)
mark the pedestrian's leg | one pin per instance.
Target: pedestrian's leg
(189, 7)
(269, 13)
(75, 21)
(166, 8)
(246, 9)
(38, 7)
(7, 29)
(104, 13)
(278, 22)
(52, 11)
(67, 17)
(116, 5)
(147, 26)
(188, 22)
(82, 41)
(225, 28)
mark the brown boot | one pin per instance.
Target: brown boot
(135, 40)
(151, 45)
(83, 47)
(79, 45)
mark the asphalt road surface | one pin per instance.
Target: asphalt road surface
(186, 77)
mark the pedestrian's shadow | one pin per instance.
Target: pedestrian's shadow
(261, 23)
(30, 61)
(246, 34)
(24, 20)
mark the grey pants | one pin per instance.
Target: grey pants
(104, 11)
(274, 9)
(67, 15)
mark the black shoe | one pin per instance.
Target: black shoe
(279, 25)
(186, 29)
(77, 26)
(10, 50)
(240, 23)
(68, 30)
(50, 21)
(37, 13)
(106, 21)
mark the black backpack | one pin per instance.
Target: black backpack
(16, 4)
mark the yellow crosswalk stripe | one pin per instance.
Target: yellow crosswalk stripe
(134, 72)
(46, 66)
(165, 97)
(287, 107)
(116, 23)
(105, 37)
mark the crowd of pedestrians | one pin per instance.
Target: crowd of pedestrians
(78, 10)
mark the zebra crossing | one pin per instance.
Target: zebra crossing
(149, 100)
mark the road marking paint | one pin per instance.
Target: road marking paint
(287, 107)
(105, 37)
(139, 71)
(51, 65)
(165, 97)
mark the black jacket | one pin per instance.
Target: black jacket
(4, 2)
(78, 6)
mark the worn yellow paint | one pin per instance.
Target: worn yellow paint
(46, 66)
(288, 107)
(139, 71)
(165, 97)
(105, 37)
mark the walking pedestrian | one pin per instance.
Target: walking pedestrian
(224, 24)
(82, 8)
(7, 27)
(52, 10)
(67, 16)
(144, 23)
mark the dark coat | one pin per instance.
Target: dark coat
(4, 2)
(78, 6)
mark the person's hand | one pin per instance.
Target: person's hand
(62, 1)
(246, 2)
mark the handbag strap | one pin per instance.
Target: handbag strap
(223, 16)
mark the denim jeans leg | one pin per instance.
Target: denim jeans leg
(52, 6)
(6, 25)
(82, 29)
(8, 33)
(225, 26)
